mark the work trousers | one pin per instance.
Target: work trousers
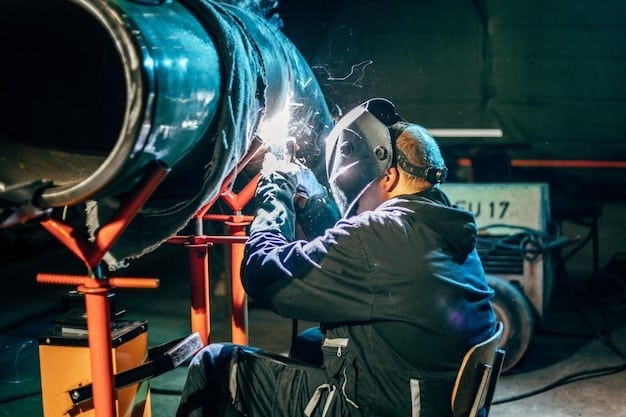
(233, 380)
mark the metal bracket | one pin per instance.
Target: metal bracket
(166, 357)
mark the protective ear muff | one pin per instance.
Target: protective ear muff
(435, 175)
(431, 174)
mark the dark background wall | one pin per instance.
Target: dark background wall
(550, 74)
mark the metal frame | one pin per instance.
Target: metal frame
(95, 286)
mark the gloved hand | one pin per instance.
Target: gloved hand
(318, 214)
(315, 211)
(278, 171)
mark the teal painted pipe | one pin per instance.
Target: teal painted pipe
(93, 91)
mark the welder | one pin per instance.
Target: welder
(394, 281)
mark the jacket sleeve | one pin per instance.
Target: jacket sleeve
(325, 279)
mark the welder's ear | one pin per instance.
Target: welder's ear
(390, 179)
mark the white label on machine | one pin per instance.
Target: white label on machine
(512, 204)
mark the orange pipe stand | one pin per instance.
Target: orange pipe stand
(237, 224)
(239, 304)
(199, 244)
(200, 290)
(95, 287)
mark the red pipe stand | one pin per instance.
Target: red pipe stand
(239, 303)
(199, 244)
(95, 287)
(200, 290)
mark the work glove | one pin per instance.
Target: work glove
(297, 188)
(315, 210)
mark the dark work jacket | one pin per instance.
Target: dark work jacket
(402, 287)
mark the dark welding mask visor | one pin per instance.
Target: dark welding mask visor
(359, 150)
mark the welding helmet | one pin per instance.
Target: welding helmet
(361, 147)
(359, 150)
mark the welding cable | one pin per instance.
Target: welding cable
(579, 246)
(529, 242)
(568, 379)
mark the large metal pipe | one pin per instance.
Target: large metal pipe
(93, 91)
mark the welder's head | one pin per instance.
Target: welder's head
(370, 139)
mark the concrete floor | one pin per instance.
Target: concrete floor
(579, 339)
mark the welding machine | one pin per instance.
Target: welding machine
(65, 364)
(66, 370)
